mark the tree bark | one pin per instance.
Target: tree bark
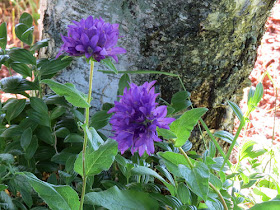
(211, 44)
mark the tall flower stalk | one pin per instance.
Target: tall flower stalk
(96, 40)
(85, 134)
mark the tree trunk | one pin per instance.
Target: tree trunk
(211, 44)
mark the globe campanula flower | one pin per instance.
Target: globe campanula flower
(136, 117)
(92, 38)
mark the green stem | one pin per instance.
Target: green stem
(215, 142)
(241, 125)
(186, 156)
(211, 185)
(220, 196)
(84, 177)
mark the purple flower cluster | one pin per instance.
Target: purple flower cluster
(136, 118)
(92, 38)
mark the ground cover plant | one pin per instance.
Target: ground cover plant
(54, 155)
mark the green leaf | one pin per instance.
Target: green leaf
(107, 62)
(184, 194)
(39, 117)
(71, 94)
(44, 133)
(98, 160)
(3, 35)
(7, 201)
(254, 97)
(12, 131)
(237, 111)
(6, 158)
(22, 69)
(55, 65)
(100, 119)
(57, 112)
(249, 151)
(31, 149)
(62, 132)
(123, 83)
(268, 205)
(26, 138)
(17, 85)
(166, 134)
(216, 181)
(197, 178)
(224, 135)
(142, 170)
(3, 187)
(57, 197)
(26, 19)
(172, 160)
(3, 58)
(22, 56)
(13, 108)
(214, 204)
(183, 126)
(40, 44)
(73, 138)
(115, 199)
(24, 33)
(180, 101)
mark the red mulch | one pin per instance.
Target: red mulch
(6, 15)
(264, 125)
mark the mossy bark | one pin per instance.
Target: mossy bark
(211, 44)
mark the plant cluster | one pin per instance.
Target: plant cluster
(53, 155)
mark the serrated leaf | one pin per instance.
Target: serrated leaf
(71, 94)
(183, 126)
(98, 160)
(58, 197)
(115, 199)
